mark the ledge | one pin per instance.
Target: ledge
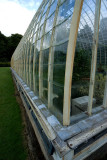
(63, 138)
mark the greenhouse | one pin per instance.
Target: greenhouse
(60, 68)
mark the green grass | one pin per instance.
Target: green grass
(11, 139)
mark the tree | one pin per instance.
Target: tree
(8, 46)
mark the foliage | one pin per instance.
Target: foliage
(99, 86)
(4, 64)
(98, 89)
(82, 65)
(11, 140)
(8, 45)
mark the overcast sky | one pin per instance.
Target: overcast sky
(15, 15)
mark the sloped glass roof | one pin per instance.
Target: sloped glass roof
(40, 58)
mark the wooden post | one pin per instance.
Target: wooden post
(105, 95)
(70, 60)
(94, 55)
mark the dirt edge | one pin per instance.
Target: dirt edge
(30, 141)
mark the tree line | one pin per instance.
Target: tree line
(8, 46)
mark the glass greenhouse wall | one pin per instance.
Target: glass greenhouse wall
(42, 58)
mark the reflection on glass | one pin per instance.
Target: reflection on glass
(52, 7)
(100, 79)
(82, 61)
(45, 8)
(36, 27)
(49, 23)
(62, 28)
(45, 91)
(47, 39)
(59, 54)
(27, 69)
(42, 20)
(34, 37)
(101, 69)
(45, 54)
(31, 66)
(81, 79)
(38, 45)
(57, 107)
(40, 32)
(59, 63)
(52, 1)
(39, 18)
(65, 10)
(37, 71)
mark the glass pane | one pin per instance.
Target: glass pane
(57, 107)
(65, 10)
(42, 20)
(47, 39)
(49, 23)
(101, 70)
(52, 1)
(37, 72)
(39, 18)
(34, 37)
(40, 32)
(45, 54)
(27, 66)
(62, 28)
(46, 7)
(36, 27)
(45, 91)
(52, 7)
(31, 67)
(82, 61)
(38, 45)
(59, 63)
(59, 55)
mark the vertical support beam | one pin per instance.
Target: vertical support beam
(34, 59)
(30, 58)
(25, 50)
(51, 61)
(28, 51)
(25, 39)
(41, 56)
(105, 95)
(35, 52)
(94, 55)
(70, 60)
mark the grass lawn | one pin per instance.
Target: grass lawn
(11, 139)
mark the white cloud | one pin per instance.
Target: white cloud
(14, 18)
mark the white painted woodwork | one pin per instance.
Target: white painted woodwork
(94, 55)
(70, 60)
